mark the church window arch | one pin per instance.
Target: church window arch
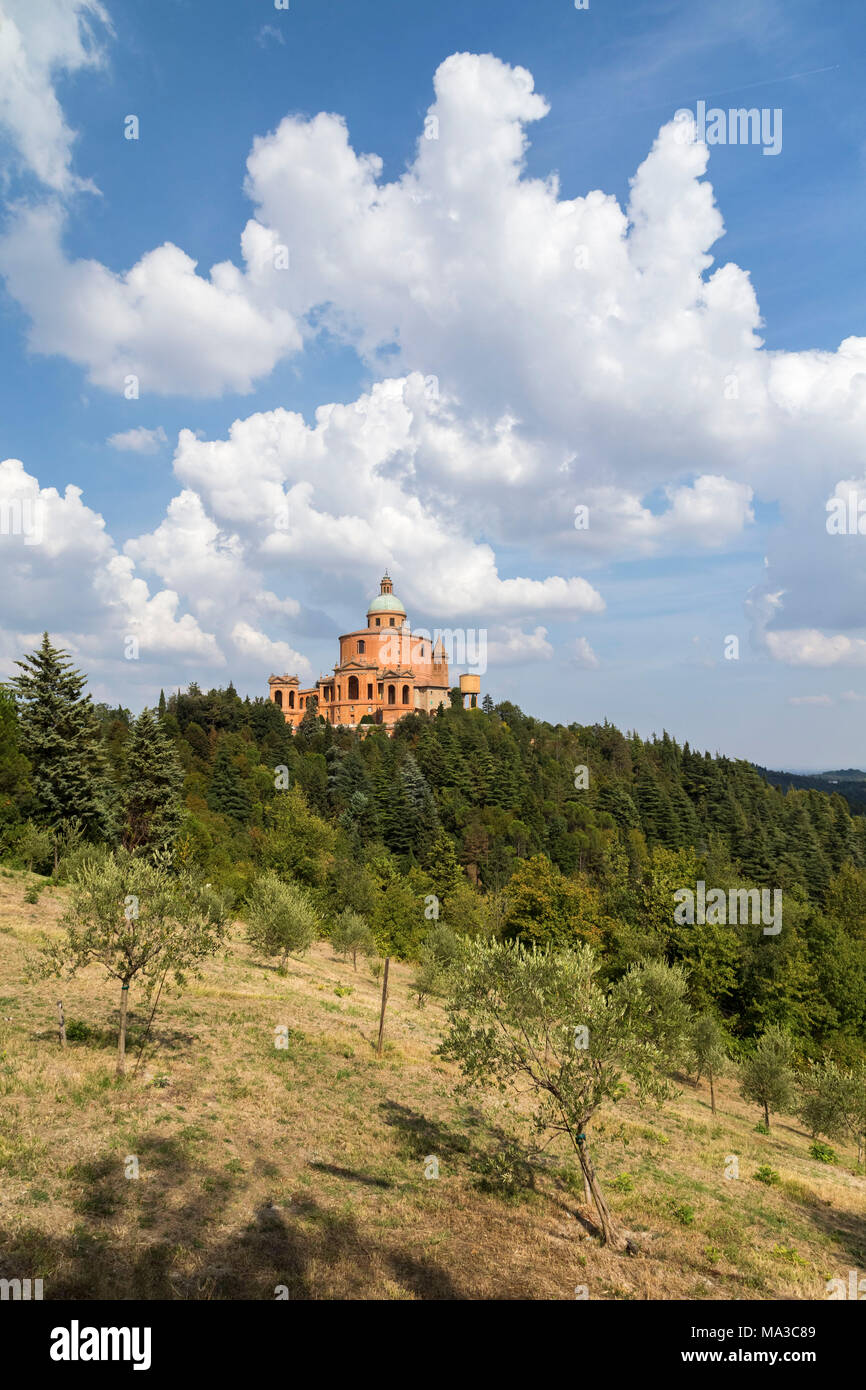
(405, 694)
(392, 695)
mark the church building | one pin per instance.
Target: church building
(385, 671)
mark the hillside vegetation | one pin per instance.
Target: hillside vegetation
(305, 1167)
(221, 896)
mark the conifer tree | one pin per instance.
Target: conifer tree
(14, 768)
(61, 739)
(227, 793)
(152, 786)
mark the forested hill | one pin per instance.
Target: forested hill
(548, 833)
(504, 786)
(849, 782)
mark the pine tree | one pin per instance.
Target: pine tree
(14, 768)
(227, 793)
(152, 786)
(423, 818)
(393, 811)
(60, 737)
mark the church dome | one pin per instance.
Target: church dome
(386, 603)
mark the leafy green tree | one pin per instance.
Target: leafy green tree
(767, 1074)
(540, 1020)
(708, 1053)
(350, 934)
(298, 844)
(60, 737)
(141, 923)
(281, 918)
(152, 786)
(398, 911)
(547, 908)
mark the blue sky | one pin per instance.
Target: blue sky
(446, 260)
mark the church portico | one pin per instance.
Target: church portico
(384, 672)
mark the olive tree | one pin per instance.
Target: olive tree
(141, 922)
(767, 1074)
(35, 845)
(351, 933)
(281, 917)
(852, 1084)
(707, 1051)
(540, 1021)
(821, 1099)
(439, 955)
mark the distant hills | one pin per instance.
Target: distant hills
(849, 782)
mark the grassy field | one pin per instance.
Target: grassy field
(305, 1167)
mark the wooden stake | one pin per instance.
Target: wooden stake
(121, 1037)
(384, 1002)
(62, 1031)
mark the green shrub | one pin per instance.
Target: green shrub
(788, 1253)
(767, 1175)
(682, 1212)
(823, 1152)
(78, 1031)
(624, 1183)
(505, 1172)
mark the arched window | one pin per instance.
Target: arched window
(392, 695)
(362, 647)
(278, 698)
(353, 688)
(291, 699)
(405, 694)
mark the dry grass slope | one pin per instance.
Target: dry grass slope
(305, 1167)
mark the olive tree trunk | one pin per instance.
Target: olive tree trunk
(611, 1234)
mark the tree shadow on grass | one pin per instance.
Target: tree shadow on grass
(845, 1228)
(419, 1136)
(156, 1238)
(351, 1173)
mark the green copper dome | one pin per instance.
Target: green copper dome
(386, 603)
